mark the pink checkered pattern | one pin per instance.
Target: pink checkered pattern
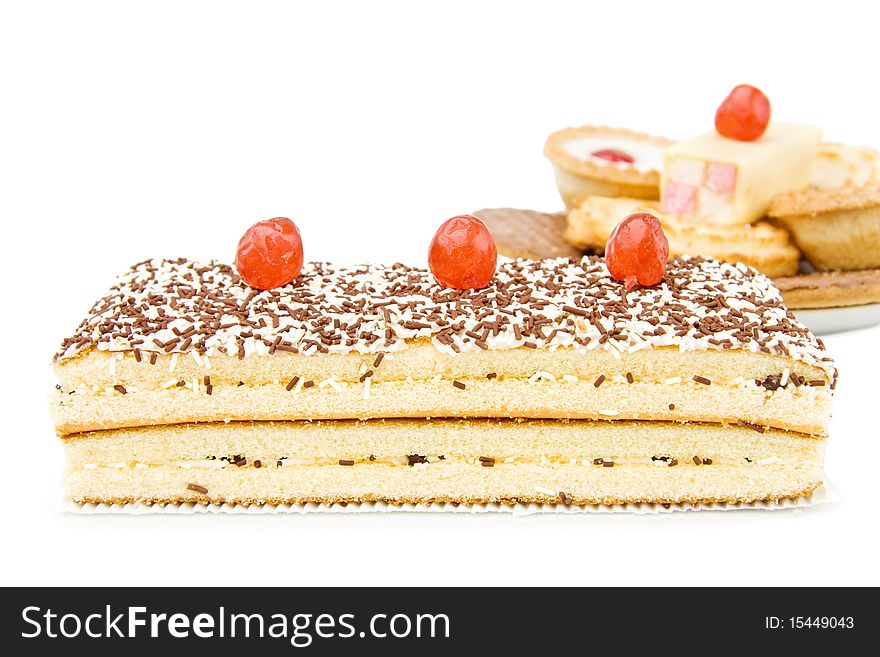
(679, 198)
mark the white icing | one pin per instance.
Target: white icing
(397, 304)
(647, 156)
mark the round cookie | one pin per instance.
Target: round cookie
(834, 289)
(528, 234)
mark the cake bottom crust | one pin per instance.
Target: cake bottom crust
(457, 500)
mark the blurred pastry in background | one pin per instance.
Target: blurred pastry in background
(528, 233)
(835, 228)
(712, 179)
(761, 245)
(831, 289)
(603, 161)
(841, 165)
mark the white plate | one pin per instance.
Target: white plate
(823, 321)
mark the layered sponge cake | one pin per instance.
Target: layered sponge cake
(552, 384)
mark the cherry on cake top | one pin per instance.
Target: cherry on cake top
(270, 254)
(462, 254)
(637, 251)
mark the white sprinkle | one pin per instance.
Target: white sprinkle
(673, 380)
(786, 374)
(330, 382)
(770, 460)
(568, 378)
(141, 466)
(608, 412)
(695, 283)
(367, 383)
(542, 376)
(545, 491)
(90, 466)
(172, 365)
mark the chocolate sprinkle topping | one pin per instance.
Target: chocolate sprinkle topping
(197, 489)
(416, 458)
(345, 462)
(459, 385)
(120, 388)
(752, 426)
(179, 306)
(487, 462)
(702, 379)
(774, 382)
(599, 381)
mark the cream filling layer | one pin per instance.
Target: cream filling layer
(811, 389)
(269, 463)
(423, 361)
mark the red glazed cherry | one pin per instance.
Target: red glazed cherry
(462, 254)
(613, 155)
(744, 114)
(637, 251)
(270, 254)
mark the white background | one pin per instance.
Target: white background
(131, 130)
